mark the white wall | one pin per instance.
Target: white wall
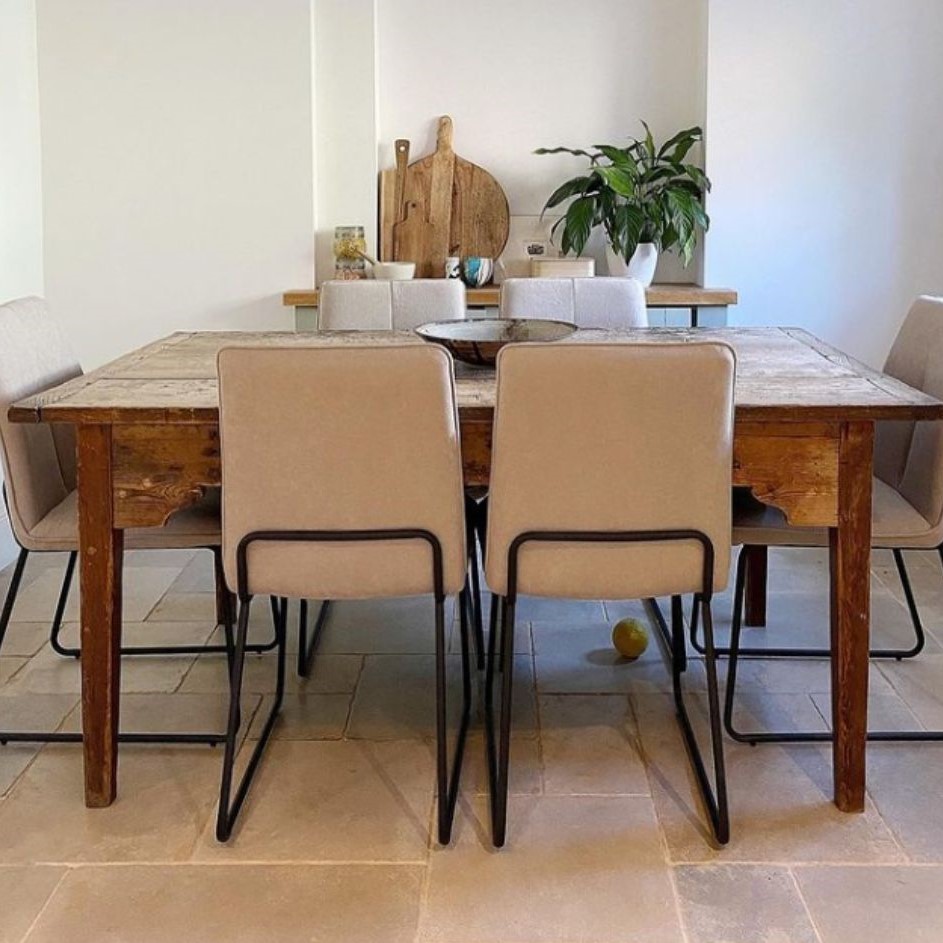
(177, 164)
(21, 233)
(826, 151)
(519, 75)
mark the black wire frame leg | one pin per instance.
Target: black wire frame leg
(899, 654)
(69, 651)
(498, 748)
(735, 652)
(230, 803)
(307, 649)
(36, 736)
(473, 510)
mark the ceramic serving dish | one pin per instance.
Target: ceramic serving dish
(478, 340)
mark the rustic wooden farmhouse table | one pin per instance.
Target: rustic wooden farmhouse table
(148, 445)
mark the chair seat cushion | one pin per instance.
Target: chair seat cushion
(195, 526)
(894, 522)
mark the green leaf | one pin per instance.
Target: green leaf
(618, 155)
(566, 190)
(576, 152)
(649, 140)
(681, 143)
(579, 224)
(618, 178)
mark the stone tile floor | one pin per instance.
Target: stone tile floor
(606, 840)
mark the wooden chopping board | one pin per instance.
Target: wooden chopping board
(449, 206)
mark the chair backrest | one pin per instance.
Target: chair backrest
(341, 439)
(609, 303)
(909, 455)
(611, 437)
(371, 305)
(38, 460)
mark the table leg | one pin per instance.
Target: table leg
(756, 577)
(850, 565)
(101, 549)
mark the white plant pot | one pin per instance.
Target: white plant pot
(640, 266)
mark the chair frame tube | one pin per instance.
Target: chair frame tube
(715, 799)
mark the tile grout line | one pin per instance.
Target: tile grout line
(45, 905)
(805, 905)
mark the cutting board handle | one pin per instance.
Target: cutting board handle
(444, 137)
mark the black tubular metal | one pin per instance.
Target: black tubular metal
(69, 651)
(776, 652)
(714, 798)
(735, 652)
(471, 530)
(229, 804)
(306, 650)
(12, 591)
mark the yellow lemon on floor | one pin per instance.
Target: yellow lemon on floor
(630, 638)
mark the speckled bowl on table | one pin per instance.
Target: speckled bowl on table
(478, 340)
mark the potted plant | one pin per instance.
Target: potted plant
(644, 196)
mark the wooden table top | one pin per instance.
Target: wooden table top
(659, 295)
(782, 374)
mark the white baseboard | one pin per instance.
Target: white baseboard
(8, 548)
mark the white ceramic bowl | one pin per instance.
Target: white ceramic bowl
(394, 271)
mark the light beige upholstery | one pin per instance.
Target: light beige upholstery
(609, 303)
(611, 437)
(907, 503)
(39, 459)
(341, 439)
(389, 305)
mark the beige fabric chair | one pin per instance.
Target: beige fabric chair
(616, 461)
(608, 303)
(907, 497)
(370, 305)
(39, 470)
(350, 463)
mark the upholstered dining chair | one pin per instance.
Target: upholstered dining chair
(39, 470)
(906, 511)
(371, 305)
(610, 303)
(633, 505)
(380, 305)
(323, 497)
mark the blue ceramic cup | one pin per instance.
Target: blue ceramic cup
(477, 270)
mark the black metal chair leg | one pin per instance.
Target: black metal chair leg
(229, 810)
(60, 609)
(12, 592)
(897, 653)
(306, 650)
(499, 757)
(448, 787)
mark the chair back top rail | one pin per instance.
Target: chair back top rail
(783, 374)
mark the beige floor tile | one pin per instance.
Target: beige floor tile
(49, 673)
(905, 781)
(780, 796)
(564, 875)
(10, 666)
(250, 904)
(382, 626)
(340, 801)
(25, 639)
(163, 558)
(186, 607)
(874, 905)
(885, 712)
(198, 576)
(793, 676)
(28, 712)
(590, 746)
(525, 776)
(330, 674)
(581, 660)
(173, 713)
(165, 797)
(742, 904)
(305, 717)
(23, 893)
(566, 611)
(142, 588)
(919, 681)
(395, 698)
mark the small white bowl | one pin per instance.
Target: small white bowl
(394, 271)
